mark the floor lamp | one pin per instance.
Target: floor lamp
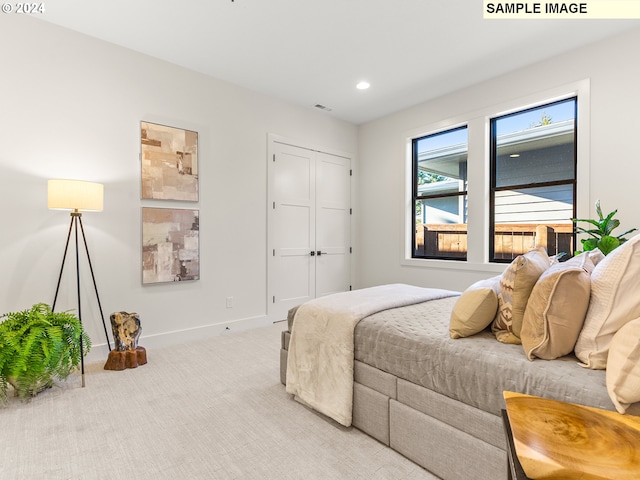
(77, 196)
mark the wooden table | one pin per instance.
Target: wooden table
(557, 440)
(514, 467)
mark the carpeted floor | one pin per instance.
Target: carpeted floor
(213, 409)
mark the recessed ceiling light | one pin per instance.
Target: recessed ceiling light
(514, 155)
(363, 85)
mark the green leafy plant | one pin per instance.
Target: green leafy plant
(600, 237)
(38, 346)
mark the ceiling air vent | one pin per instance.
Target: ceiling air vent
(322, 107)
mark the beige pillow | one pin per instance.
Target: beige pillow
(516, 284)
(556, 309)
(475, 309)
(623, 366)
(615, 283)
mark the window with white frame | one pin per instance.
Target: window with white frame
(499, 181)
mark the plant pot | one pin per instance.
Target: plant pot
(34, 390)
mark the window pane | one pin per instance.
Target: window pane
(441, 163)
(441, 230)
(530, 217)
(533, 180)
(536, 145)
(440, 185)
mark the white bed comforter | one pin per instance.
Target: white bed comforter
(321, 352)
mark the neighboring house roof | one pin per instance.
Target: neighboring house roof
(445, 161)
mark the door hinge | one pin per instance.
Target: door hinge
(274, 205)
(274, 252)
(350, 249)
(274, 157)
(351, 173)
(274, 299)
(350, 288)
(351, 211)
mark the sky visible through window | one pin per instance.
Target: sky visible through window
(441, 140)
(518, 122)
(557, 112)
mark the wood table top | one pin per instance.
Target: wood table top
(563, 441)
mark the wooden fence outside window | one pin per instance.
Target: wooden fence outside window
(511, 240)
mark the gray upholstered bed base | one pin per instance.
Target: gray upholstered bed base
(437, 400)
(446, 437)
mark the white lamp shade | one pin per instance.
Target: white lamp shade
(76, 195)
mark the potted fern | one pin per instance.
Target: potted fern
(38, 346)
(601, 236)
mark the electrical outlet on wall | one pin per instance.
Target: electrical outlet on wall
(229, 302)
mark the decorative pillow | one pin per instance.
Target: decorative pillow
(615, 283)
(475, 309)
(516, 284)
(556, 309)
(623, 366)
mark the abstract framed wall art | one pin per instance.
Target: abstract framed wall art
(169, 158)
(170, 245)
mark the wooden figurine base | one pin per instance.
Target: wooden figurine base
(119, 360)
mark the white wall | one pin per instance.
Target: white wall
(614, 164)
(70, 108)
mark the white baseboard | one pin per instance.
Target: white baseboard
(100, 351)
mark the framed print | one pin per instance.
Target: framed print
(169, 158)
(170, 245)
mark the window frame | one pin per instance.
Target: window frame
(416, 197)
(493, 157)
(478, 166)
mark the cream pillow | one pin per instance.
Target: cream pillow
(623, 366)
(556, 309)
(475, 309)
(615, 283)
(516, 284)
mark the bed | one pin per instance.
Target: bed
(437, 400)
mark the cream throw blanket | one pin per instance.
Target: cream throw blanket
(321, 350)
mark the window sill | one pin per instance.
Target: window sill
(462, 265)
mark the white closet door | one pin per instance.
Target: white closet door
(309, 225)
(292, 224)
(333, 224)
